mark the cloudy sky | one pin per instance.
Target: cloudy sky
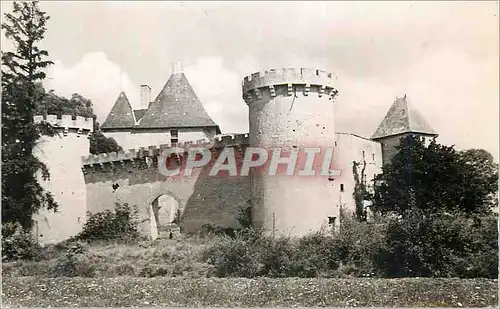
(442, 55)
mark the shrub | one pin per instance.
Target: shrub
(440, 245)
(314, 256)
(356, 247)
(120, 224)
(18, 244)
(75, 263)
(235, 257)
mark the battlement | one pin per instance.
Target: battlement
(68, 122)
(154, 151)
(302, 76)
(231, 140)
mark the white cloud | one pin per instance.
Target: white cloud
(458, 96)
(94, 77)
(456, 93)
(219, 90)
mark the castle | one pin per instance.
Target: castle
(288, 108)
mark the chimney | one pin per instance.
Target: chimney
(145, 96)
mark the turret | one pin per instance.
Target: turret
(291, 108)
(61, 154)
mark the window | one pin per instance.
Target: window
(373, 156)
(341, 187)
(363, 154)
(335, 144)
(174, 136)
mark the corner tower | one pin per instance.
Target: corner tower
(401, 120)
(62, 155)
(291, 108)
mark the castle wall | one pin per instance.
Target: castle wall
(291, 108)
(217, 199)
(349, 148)
(202, 199)
(62, 154)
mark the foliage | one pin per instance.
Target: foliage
(417, 245)
(440, 245)
(235, 257)
(360, 193)
(102, 144)
(120, 224)
(77, 105)
(74, 263)
(18, 244)
(349, 252)
(22, 69)
(53, 104)
(436, 178)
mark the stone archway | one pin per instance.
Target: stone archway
(165, 215)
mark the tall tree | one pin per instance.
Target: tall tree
(436, 178)
(22, 69)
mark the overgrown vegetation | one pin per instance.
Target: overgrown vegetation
(415, 246)
(360, 193)
(17, 244)
(119, 224)
(436, 179)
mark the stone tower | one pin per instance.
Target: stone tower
(402, 119)
(291, 108)
(62, 155)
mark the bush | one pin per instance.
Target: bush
(350, 251)
(356, 247)
(120, 224)
(440, 245)
(235, 257)
(74, 263)
(18, 244)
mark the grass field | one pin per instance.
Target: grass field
(234, 292)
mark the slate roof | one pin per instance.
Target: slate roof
(402, 118)
(176, 106)
(139, 113)
(121, 115)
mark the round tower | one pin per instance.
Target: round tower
(291, 109)
(62, 155)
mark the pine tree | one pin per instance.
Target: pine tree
(22, 71)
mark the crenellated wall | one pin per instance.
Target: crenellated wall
(69, 122)
(202, 199)
(61, 154)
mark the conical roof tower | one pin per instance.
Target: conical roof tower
(403, 118)
(176, 106)
(121, 115)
